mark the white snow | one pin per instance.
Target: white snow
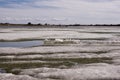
(82, 73)
(76, 72)
(49, 34)
(15, 77)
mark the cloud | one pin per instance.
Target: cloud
(60, 11)
(99, 0)
(26, 4)
(59, 19)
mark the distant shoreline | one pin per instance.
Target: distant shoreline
(9, 25)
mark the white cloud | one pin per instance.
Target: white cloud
(57, 11)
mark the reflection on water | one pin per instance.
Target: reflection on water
(22, 43)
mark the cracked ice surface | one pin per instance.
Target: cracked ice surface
(56, 49)
(15, 77)
(50, 34)
(92, 72)
(76, 72)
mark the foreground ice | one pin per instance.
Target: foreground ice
(99, 71)
(15, 77)
(95, 47)
(88, 72)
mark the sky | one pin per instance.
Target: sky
(60, 11)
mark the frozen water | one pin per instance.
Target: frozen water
(91, 42)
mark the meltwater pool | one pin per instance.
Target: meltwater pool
(22, 43)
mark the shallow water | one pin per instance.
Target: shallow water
(22, 43)
(2, 71)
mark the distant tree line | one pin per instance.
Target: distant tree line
(94, 25)
(39, 24)
(46, 24)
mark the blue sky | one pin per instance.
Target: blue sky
(60, 11)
